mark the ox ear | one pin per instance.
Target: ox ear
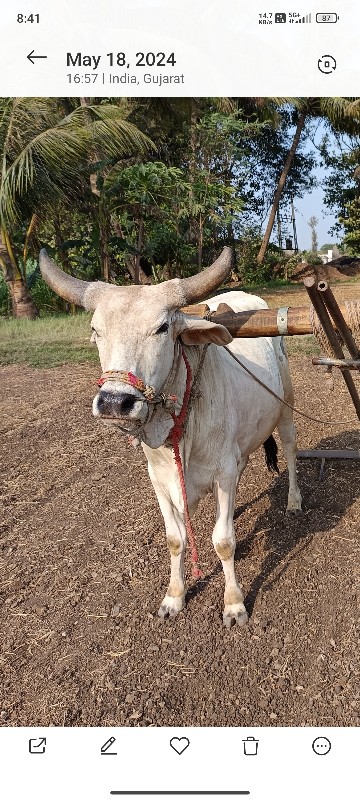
(193, 330)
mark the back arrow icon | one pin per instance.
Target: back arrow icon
(31, 57)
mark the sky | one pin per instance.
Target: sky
(312, 204)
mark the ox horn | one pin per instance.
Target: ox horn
(200, 286)
(71, 289)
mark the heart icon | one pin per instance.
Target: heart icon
(179, 745)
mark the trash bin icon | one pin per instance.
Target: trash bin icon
(250, 746)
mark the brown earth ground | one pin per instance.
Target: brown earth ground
(341, 269)
(85, 566)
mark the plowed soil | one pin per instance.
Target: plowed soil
(85, 566)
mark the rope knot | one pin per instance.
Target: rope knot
(168, 401)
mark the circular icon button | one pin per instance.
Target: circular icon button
(321, 746)
(327, 64)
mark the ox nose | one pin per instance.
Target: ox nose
(112, 404)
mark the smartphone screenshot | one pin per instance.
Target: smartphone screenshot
(180, 400)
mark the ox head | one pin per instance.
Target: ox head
(135, 329)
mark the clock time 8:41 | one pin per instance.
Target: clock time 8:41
(28, 18)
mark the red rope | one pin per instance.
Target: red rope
(175, 436)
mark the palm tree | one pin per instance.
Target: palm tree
(341, 113)
(45, 145)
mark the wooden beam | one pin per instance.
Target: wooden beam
(335, 311)
(342, 363)
(318, 300)
(263, 322)
(353, 455)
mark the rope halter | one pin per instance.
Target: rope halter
(149, 393)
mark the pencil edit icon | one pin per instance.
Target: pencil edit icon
(105, 748)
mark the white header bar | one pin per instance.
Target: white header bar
(188, 48)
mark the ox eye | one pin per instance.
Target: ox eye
(163, 328)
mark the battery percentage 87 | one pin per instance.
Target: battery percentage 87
(327, 17)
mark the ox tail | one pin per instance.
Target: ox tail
(271, 450)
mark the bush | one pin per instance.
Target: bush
(44, 298)
(313, 259)
(5, 299)
(250, 272)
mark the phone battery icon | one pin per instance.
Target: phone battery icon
(327, 17)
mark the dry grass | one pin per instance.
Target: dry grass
(55, 341)
(47, 342)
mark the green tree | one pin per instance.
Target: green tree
(313, 223)
(45, 145)
(351, 223)
(342, 182)
(241, 143)
(259, 172)
(139, 197)
(341, 113)
(325, 247)
(155, 207)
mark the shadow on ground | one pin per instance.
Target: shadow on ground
(287, 534)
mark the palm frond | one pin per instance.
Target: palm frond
(50, 161)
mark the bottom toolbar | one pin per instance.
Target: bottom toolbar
(271, 763)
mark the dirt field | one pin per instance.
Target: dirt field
(85, 566)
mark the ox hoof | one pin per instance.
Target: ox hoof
(171, 606)
(294, 512)
(235, 615)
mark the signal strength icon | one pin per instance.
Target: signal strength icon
(307, 18)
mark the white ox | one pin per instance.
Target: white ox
(137, 330)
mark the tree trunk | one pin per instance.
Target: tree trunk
(23, 306)
(129, 261)
(103, 217)
(139, 248)
(193, 142)
(65, 262)
(30, 233)
(280, 186)
(104, 246)
(200, 242)
(145, 280)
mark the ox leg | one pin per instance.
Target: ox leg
(174, 599)
(287, 435)
(224, 544)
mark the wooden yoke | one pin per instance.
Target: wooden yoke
(198, 310)
(294, 321)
